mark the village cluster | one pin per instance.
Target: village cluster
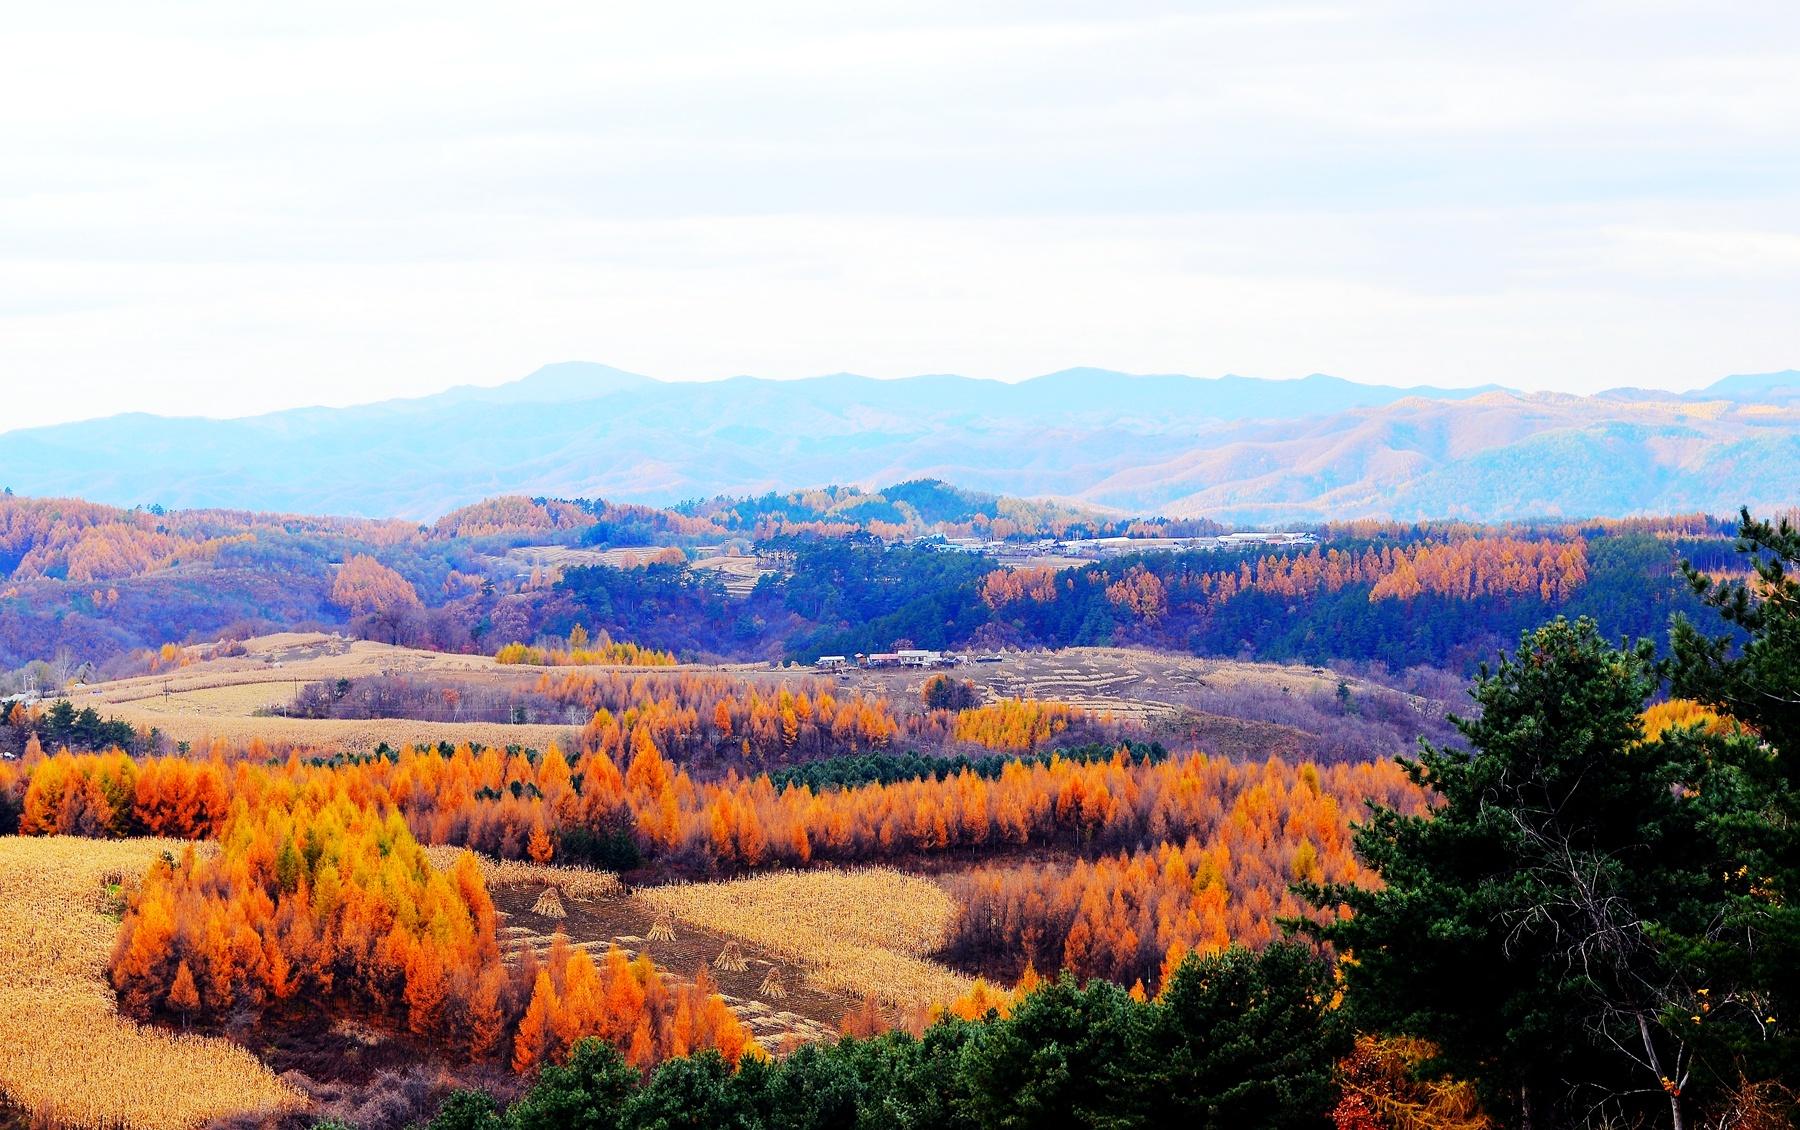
(908, 657)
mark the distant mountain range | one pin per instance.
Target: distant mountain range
(1235, 448)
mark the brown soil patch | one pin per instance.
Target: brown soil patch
(804, 1015)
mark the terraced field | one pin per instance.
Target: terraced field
(598, 913)
(856, 932)
(1126, 682)
(1185, 701)
(795, 1012)
(557, 557)
(739, 574)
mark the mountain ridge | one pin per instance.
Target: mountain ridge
(1231, 447)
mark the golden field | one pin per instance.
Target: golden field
(861, 931)
(219, 698)
(66, 1055)
(583, 883)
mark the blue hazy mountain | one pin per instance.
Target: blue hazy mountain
(1234, 447)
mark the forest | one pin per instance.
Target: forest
(1621, 887)
(1147, 933)
(95, 583)
(1431, 596)
(97, 588)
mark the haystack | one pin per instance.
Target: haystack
(662, 931)
(731, 959)
(549, 904)
(772, 986)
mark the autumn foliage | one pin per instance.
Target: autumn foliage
(627, 1003)
(316, 900)
(86, 541)
(320, 900)
(696, 716)
(1222, 876)
(1165, 856)
(1463, 568)
(1019, 725)
(510, 514)
(1381, 1090)
(494, 800)
(1680, 713)
(1006, 586)
(605, 653)
(114, 795)
(365, 587)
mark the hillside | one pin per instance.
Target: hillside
(1233, 448)
(89, 590)
(1496, 456)
(589, 430)
(89, 581)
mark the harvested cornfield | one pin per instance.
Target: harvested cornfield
(582, 884)
(199, 729)
(854, 931)
(220, 698)
(772, 985)
(732, 958)
(549, 905)
(66, 1055)
(805, 1015)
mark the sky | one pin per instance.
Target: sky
(220, 208)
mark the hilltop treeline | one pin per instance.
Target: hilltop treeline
(100, 585)
(95, 583)
(1402, 597)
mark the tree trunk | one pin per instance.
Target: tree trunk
(1675, 1119)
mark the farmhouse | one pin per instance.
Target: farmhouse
(905, 657)
(1279, 537)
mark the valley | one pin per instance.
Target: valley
(410, 813)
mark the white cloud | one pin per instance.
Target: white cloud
(223, 209)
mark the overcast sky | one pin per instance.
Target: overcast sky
(212, 208)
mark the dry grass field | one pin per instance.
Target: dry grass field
(833, 936)
(558, 557)
(739, 574)
(337, 733)
(219, 698)
(596, 914)
(855, 932)
(582, 883)
(1125, 682)
(66, 1055)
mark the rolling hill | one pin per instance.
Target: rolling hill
(1235, 448)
